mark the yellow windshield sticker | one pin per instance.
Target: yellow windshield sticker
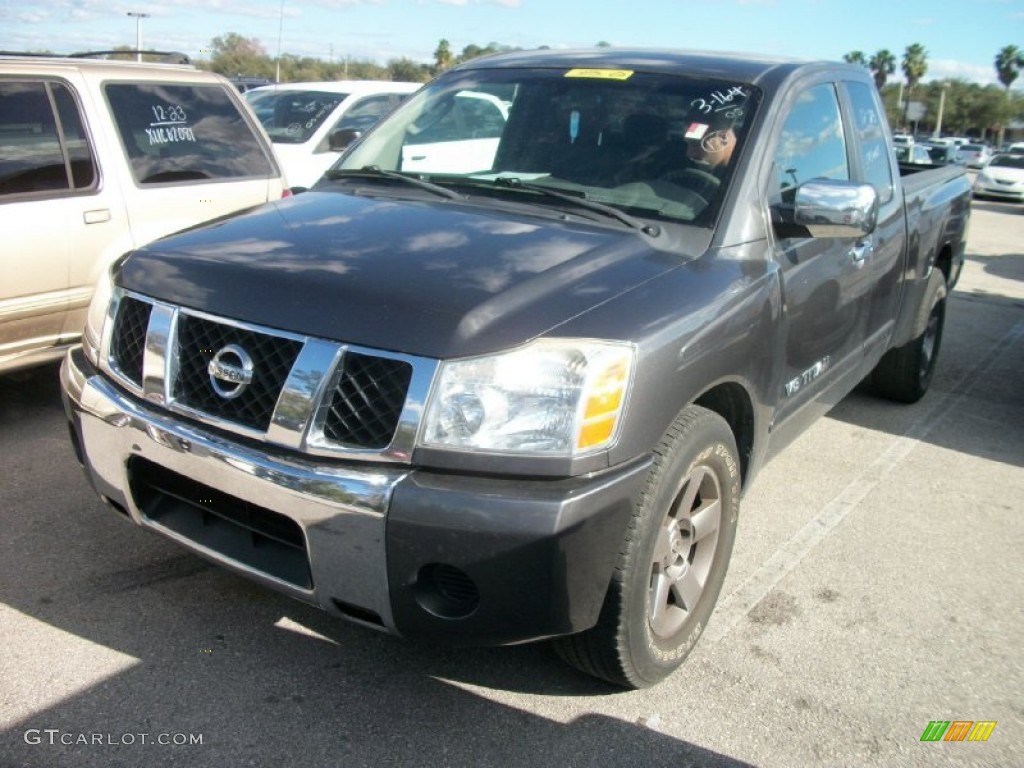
(601, 74)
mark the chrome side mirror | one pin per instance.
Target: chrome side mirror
(828, 208)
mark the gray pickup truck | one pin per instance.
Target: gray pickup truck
(516, 393)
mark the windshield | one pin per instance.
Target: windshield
(1008, 161)
(291, 117)
(653, 145)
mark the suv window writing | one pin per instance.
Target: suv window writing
(183, 132)
(871, 136)
(812, 144)
(32, 157)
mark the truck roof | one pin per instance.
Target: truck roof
(712, 64)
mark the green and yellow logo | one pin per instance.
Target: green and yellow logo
(958, 730)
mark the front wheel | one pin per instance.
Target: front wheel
(673, 558)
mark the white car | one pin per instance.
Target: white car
(1002, 178)
(974, 155)
(311, 123)
(100, 157)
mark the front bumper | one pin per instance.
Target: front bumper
(483, 560)
(1013, 192)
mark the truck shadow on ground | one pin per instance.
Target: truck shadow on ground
(996, 206)
(976, 387)
(1009, 266)
(156, 641)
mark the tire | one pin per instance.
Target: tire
(905, 373)
(670, 568)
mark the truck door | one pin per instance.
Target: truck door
(888, 241)
(824, 280)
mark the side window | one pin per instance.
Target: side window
(871, 138)
(482, 118)
(83, 165)
(31, 159)
(365, 112)
(812, 144)
(174, 133)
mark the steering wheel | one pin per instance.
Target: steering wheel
(705, 180)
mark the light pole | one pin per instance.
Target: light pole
(942, 107)
(138, 32)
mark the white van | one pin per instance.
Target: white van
(98, 157)
(311, 123)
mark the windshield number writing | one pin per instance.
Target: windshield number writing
(717, 101)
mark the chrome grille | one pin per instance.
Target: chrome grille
(128, 345)
(199, 339)
(324, 398)
(367, 401)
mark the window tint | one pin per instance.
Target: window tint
(83, 167)
(812, 144)
(184, 132)
(31, 159)
(871, 137)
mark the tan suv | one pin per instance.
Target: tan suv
(98, 157)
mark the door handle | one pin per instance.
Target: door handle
(860, 252)
(97, 216)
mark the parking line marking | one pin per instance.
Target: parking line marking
(786, 558)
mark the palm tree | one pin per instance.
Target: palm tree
(915, 65)
(1009, 63)
(882, 65)
(443, 56)
(855, 57)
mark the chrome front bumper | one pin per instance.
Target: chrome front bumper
(344, 509)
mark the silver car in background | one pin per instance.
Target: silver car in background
(974, 155)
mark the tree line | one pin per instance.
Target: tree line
(233, 55)
(968, 109)
(964, 108)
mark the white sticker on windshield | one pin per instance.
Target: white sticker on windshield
(696, 131)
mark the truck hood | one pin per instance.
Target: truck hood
(436, 279)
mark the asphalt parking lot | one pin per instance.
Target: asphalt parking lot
(876, 586)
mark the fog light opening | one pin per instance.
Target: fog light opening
(445, 591)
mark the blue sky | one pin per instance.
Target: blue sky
(961, 38)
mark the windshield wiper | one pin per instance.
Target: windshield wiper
(376, 172)
(581, 200)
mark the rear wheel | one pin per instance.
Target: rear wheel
(673, 558)
(904, 374)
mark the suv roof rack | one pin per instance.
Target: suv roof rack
(168, 57)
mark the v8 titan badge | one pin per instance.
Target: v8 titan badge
(230, 371)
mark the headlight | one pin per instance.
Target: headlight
(552, 397)
(92, 336)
